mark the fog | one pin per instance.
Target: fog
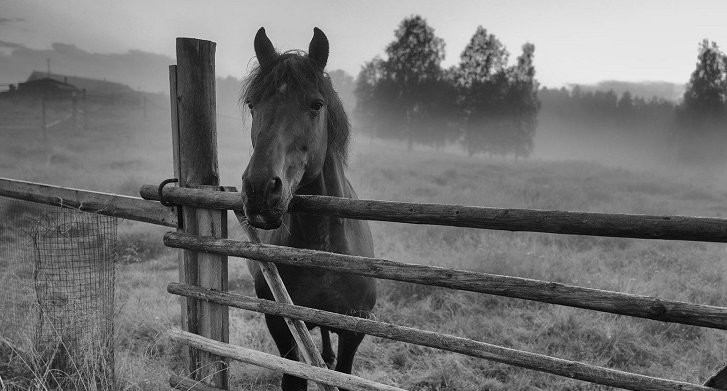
(575, 105)
(589, 123)
(138, 69)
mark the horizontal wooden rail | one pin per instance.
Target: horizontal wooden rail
(539, 362)
(706, 229)
(265, 360)
(523, 288)
(131, 208)
(184, 383)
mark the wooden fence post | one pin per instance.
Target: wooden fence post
(194, 136)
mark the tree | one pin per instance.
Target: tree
(701, 117)
(482, 80)
(483, 57)
(523, 102)
(367, 97)
(413, 69)
(706, 93)
(626, 104)
(484, 103)
(499, 103)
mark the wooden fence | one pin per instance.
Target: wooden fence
(200, 219)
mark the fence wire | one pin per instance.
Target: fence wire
(57, 271)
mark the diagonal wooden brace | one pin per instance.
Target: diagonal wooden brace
(306, 347)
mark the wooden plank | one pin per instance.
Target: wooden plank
(523, 288)
(265, 360)
(307, 348)
(196, 112)
(125, 207)
(194, 135)
(173, 100)
(213, 319)
(706, 229)
(183, 257)
(539, 362)
(183, 383)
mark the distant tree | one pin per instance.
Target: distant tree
(626, 103)
(486, 105)
(439, 123)
(706, 92)
(523, 102)
(483, 57)
(372, 107)
(482, 82)
(702, 117)
(413, 70)
(499, 104)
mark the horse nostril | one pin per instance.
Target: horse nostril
(274, 191)
(247, 190)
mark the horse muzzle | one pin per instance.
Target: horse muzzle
(263, 201)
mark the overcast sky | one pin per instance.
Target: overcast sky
(576, 41)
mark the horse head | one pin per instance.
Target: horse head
(293, 106)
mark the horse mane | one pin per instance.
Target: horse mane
(297, 71)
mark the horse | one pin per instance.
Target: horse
(300, 135)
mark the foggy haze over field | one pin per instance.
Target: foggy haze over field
(557, 117)
(646, 50)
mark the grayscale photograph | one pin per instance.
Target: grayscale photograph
(363, 195)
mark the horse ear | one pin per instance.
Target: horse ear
(318, 49)
(264, 49)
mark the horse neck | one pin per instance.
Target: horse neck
(322, 232)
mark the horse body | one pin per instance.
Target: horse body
(323, 289)
(300, 138)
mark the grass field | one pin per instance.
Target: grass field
(121, 150)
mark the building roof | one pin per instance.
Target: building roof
(52, 83)
(92, 86)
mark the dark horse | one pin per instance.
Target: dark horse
(300, 136)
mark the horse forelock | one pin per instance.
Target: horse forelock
(294, 71)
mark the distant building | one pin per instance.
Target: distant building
(44, 84)
(45, 88)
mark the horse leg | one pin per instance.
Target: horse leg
(287, 348)
(328, 355)
(348, 343)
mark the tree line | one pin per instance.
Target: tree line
(484, 104)
(695, 127)
(606, 111)
(488, 105)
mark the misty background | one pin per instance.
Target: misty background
(491, 102)
(615, 107)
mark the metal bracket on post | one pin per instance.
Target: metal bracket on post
(180, 216)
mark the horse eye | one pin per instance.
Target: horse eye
(249, 104)
(316, 105)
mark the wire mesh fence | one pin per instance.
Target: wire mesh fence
(57, 270)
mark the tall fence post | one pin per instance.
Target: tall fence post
(194, 136)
